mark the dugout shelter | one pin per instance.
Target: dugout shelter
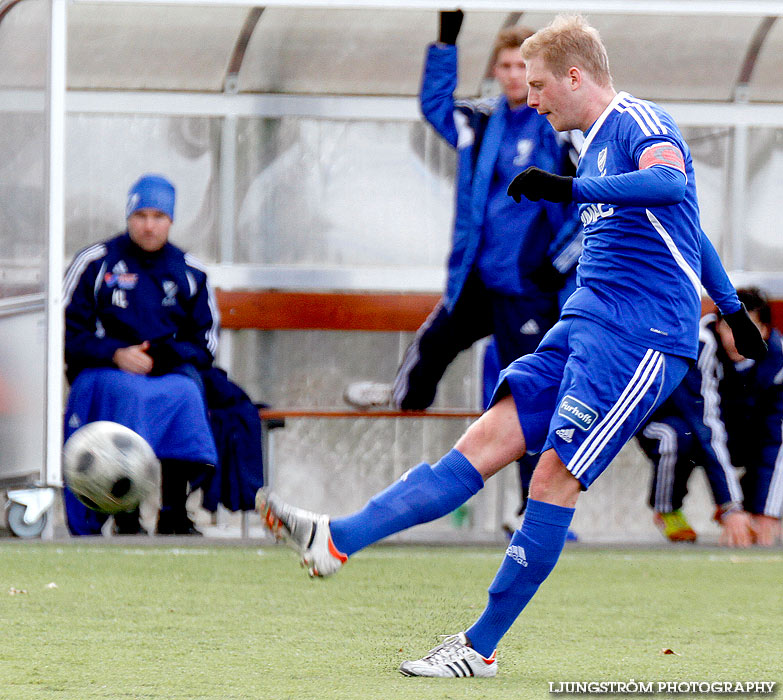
(293, 134)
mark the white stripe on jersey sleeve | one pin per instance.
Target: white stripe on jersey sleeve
(77, 268)
(649, 115)
(647, 127)
(465, 135)
(624, 108)
(214, 330)
(675, 251)
(635, 108)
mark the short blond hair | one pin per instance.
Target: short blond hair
(509, 38)
(570, 41)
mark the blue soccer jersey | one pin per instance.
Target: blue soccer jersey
(640, 269)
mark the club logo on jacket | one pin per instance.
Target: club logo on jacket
(524, 149)
(170, 290)
(120, 278)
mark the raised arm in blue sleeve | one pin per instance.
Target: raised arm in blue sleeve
(436, 95)
(715, 279)
(650, 187)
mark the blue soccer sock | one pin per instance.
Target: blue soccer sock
(422, 494)
(532, 554)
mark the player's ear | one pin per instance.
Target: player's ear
(574, 77)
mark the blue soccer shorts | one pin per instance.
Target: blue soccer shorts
(586, 391)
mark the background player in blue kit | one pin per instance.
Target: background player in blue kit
(727, 413)
(752, 392)
(507, 262)
(624, 341)
(687, 430)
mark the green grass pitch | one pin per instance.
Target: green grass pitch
(125, 621)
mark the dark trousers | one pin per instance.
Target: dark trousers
(517, 323)
(175, 476)
(668, 444)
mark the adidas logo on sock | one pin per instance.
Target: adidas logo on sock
(530, 328)
(74, 421)
(517, 553)
(566, 434)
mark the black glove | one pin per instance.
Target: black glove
(747, 337)
(450, 23)
(536, 184)
(547, 277)
(164, 357)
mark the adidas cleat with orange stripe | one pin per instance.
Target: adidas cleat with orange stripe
(452, 659)
(305, 532)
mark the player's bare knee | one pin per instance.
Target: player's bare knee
(553, 483)
(492, 442)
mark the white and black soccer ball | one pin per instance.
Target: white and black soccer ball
(110, 468)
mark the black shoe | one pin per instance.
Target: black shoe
(128, 524)
(175, 524)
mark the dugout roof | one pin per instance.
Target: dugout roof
(659, 50)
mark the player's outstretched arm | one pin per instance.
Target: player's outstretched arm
(651, 187)
(659, 181)
(747, 336)
(439, 80)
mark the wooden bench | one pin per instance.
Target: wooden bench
(332, 311)
(273, 310)
(328, 311)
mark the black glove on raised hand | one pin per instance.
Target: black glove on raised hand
(450, 23)
(747, 337)
(536, 184)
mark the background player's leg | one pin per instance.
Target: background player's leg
(445, 334)
(428, 492)
(532, 554)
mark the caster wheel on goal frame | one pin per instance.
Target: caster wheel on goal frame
(19, 527)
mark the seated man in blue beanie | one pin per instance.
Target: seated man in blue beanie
(141, 324)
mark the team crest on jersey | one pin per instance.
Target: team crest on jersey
(524, 149)
(576, 412)
(170, 290)
(602, 160)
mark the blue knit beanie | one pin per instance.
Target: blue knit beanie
(151, 192)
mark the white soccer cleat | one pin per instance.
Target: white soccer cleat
(452, 659)
(368, 394)
(306, 532)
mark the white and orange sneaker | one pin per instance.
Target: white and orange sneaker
(452, 659)
(305, 532)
